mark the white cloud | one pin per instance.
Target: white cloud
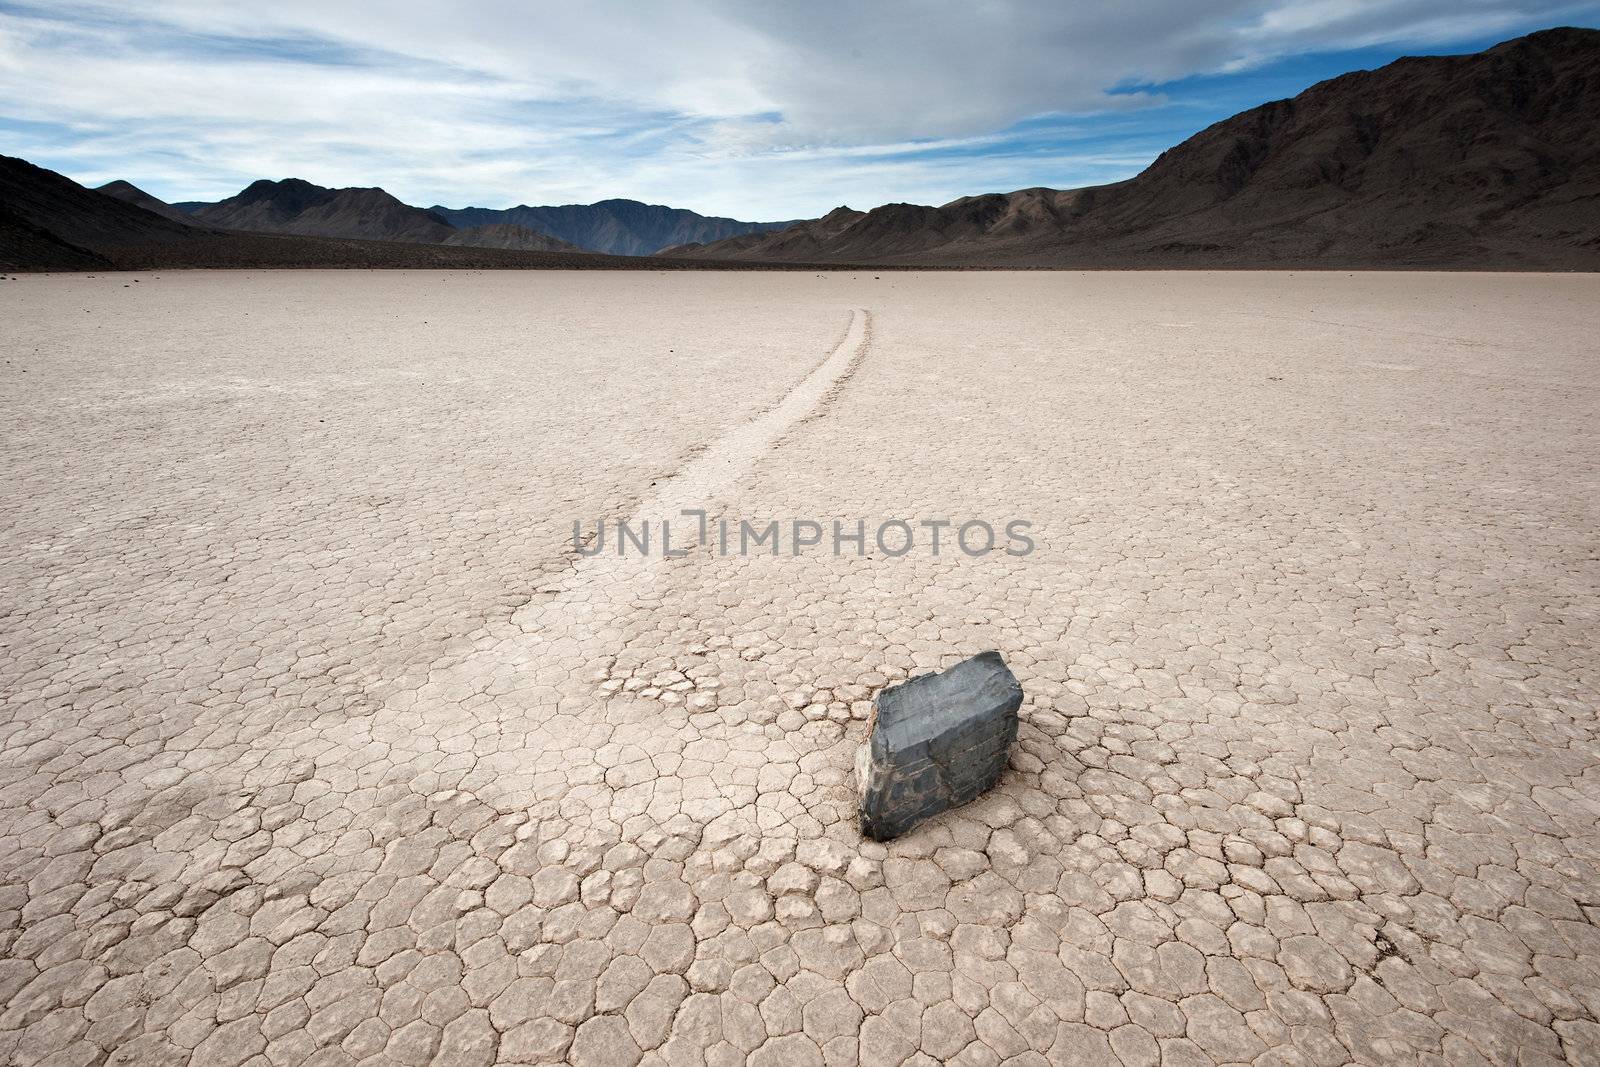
(734, 106)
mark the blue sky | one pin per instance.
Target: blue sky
(748, 108)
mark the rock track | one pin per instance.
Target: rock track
(321, 745)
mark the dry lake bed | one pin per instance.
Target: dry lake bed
(321, 744)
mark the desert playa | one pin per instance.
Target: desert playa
(321, 745)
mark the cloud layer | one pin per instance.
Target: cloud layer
(767, 110)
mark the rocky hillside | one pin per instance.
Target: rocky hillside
(621, 227)
(129, 193)
(505, 235)
(1482, 160)
(50, 222)
(299, 207)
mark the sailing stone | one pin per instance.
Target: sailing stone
(936, 743)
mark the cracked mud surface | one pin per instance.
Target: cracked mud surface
(319, 745)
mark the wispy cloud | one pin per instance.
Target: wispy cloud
(757, 109)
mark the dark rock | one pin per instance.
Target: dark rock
(937, 742)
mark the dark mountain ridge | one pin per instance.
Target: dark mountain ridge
(621, 227)
(50, 222)
(129, 193)
(507, 235)
(300, 207)
(1485, 160)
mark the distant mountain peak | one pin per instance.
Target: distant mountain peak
(50, 222)
(130, 193)
(296, 206)
(618, 226)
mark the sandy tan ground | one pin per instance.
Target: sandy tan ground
(319, 745)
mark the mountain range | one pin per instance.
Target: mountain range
(621, 227)
(1491, 159)
(49, 222)
(509, 235)
(299, 207)
(618, 227)
(295, 206)
(132, 194)
(1484, 161)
